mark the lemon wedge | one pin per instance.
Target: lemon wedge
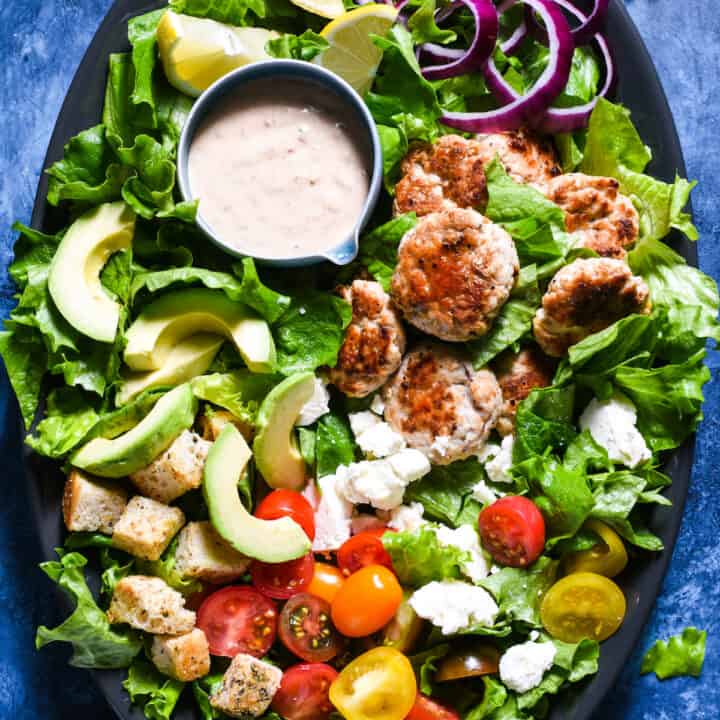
(323, 8)
(196, 52)
(352, 54)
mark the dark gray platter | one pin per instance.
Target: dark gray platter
(639, 89)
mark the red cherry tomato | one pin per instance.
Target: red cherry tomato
(288, 503)
(283, 580)
(307, 630)
(303, 692)
(363, 549)
(427, 709)
(512, 530)
(238, 620)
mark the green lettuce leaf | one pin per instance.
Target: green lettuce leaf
(418, 557)
(494, 697)
(142, 36)
(688, 297)
(95, 643)
(297, 47)
(613, 148)
(202, 689)
(519, 591)
(682, 654)
(510, 326)
(116, 566)
(425, 665)
(378, 249)
(157, 694)
(423, 27)
(311, 331)
(544, 420)
(240, 392)
(334, 444)
(270, 304)
(234, 12)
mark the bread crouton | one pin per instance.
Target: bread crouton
(146, 528)
(150, 604)
(213, 421)
(201, 553)
(183, 657)
(175, 471)
(248, 687)
(92, 505)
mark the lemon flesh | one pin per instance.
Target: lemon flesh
(196, 52)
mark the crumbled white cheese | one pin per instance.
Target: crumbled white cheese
(407, 518)
(612, 424)
(362, 421)
(534, 635)
(332, 517)
(466, 538)
(380, 440)
(317, 406)
(497, 460)
(409, 465)
(522, 666)
(381, 483)
(377, 405)
(453, 605)
(440, 445)
(483, 493)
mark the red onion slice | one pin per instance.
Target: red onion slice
(481, 47)
(589, 26)
(549, 85)
(557, 120)
(509, 46)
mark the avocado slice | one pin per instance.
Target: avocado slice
(74, 275)
(272, 541)
(137, 448)
(179, 314)
(188, 359)
(276, 452)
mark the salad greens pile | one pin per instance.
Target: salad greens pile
(66, 383)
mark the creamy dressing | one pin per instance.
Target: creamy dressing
(278, 175)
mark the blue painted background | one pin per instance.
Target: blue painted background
(41, 43)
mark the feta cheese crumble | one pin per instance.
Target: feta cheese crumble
(497, 460)
(332, 517)
(441, 444)
(316, 406)
(465, 538)
(407, 518)
(362, 421)
(483, 493)
(522, 666)
(612, 424)
(453, 605)
(409, 465)
(380, 440)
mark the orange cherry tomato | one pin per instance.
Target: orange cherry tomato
(327, 580)
(366, 602)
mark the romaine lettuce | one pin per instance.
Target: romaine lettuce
(682, 654)
(157, 694)
(334, 444)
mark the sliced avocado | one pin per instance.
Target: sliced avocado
(188, 359)
(179, 314)
(272, 541)
(276, 452)
(137, 448)
(74, 276)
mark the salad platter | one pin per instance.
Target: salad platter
(553, 510)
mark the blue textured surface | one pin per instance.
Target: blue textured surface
(41, 43)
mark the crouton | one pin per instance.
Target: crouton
(202, 553)
(213, 421)
(183, 657)
(150, 604)
(146, 528)
(175, 471)
(92, 505)
(248, 687)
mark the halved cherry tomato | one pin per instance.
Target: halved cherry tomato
(283, 580)
(378, 685)
(363, 549)
(303, 692)
(472, 660)
(583, 605)
(326, 581)
(609, 557)
(427, 709)
(288, 503)
(307, 630)
(367, 601)
(512, 530)
(238, 620)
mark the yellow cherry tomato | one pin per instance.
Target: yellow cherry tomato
(607, 558)
(583, 605)
(378, 685)
(327, 580)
